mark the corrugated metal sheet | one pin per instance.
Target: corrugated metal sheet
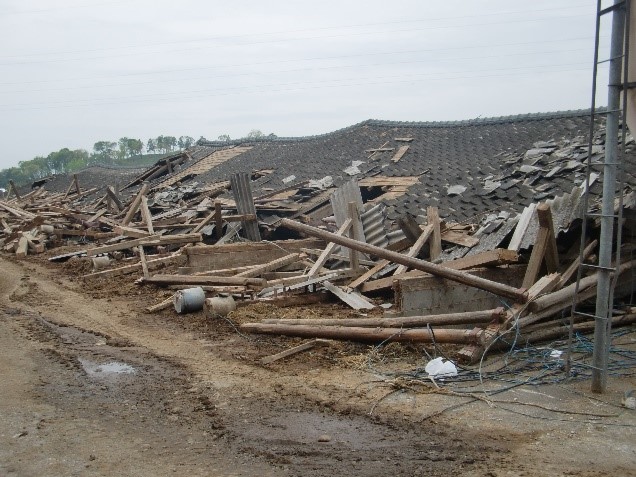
(373, 225)
(242, 192)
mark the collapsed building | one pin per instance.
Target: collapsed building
(453, 232)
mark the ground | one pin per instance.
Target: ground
(92, 385)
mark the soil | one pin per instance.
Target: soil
(93, 385)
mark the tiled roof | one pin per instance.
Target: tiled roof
(476, 155)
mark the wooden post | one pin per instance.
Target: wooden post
(147, 216)
(354, 257)
(218, 216)
(135, 204)
(499, 289)
(436, 239)
(417, 246)
(76, 183)
(144, 264)
(411, 229)
(14, 189)
(544, 247)
(112, 198)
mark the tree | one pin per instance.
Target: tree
(224, 138)
(135, 147)
(185, 142)
(104, 151)
(255, 134)
(151, 146)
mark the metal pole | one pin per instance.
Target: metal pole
(603, 323)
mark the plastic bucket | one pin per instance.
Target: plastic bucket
(190, 299)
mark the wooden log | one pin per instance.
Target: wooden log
(134, 206)
(437, 270)
(295, 350)
(146, 241)
(204, 280)
(270, 266)
(471, 317)
(369, 335)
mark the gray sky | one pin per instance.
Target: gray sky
(73, 72)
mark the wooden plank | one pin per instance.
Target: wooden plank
(355, 233)
(353, 299)
(144, 265)
(114, 199)
(522, 226)
(574, 266)
(380, 149)
(399, 153)
(130, 232)
(404, 139)
(162, 305)
(134, 206)
(410, 227)
(368, 274)
(324, 256)
(417, 246)
(23, 247)
(436, 237)
(146, 215)
(459, 238)
(295, 350)
(146, 241)
(544, 247)
(204, 280)
(152, 264)
(270, 266)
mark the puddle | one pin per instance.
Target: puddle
(106, 369)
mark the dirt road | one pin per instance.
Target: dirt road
(93, 386)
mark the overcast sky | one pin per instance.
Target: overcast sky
(73, 72)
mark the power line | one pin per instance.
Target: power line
(296, 70)
(285, 40)
(285, 32)
(319, 58)
(266, 89)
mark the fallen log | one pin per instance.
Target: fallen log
(370, 335)
(500, 289)
(470, 317)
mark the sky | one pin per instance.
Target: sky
(74, 72)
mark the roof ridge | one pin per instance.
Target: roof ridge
(411, 124)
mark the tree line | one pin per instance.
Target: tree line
(120, 152)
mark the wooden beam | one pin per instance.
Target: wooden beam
(356, 226)
(147, 216)
(218, 217)
(499, 289)
(544, 247)
(410, 227)
(144, 265)
(324, 256)
(295, 350)
(204, 280)
(415, 249)
(146, 241)
(436, 238)
(134, 205)
(152, 264)
(270, 266)
(574, 266)
(130, 231)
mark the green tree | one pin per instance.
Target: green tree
(135, 147)
(151, 146)
(224, 138)
(185, 142)
(104, 151)
(255, 134)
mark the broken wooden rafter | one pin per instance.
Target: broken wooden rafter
(204, 280)
(544, 248)
(437, 270)
(269, 266)
(134, 205)
(324, 256)
(416, 248)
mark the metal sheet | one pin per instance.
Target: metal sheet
(242, 192)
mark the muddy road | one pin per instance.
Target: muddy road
(93, 386)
